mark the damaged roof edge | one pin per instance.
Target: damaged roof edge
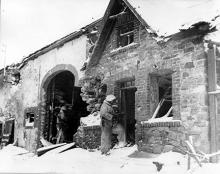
(53, 45)
(92, 61)
(138, 16)
(49, 47)
(202, 30)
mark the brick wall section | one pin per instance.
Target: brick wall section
(185, 57)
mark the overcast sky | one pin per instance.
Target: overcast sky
(28, 25)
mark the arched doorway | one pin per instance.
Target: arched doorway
(60, 92)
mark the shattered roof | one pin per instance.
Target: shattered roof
(51, 46)
(167, 17)
(164, 17)
(214, 36)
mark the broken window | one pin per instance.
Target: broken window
(162, 93)
(29, 121)
(125, 34)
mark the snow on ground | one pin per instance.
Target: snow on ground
(11, 157)
(91, 120)
(161, 119)
(125, 160)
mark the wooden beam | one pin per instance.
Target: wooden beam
(212, 98)
(117, 15)
(157, 109)
(194, 155)
(214, 92)
(43, 150)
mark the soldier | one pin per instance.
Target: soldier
(106, 114)
(61, 125)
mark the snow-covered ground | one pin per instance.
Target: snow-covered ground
(79, 161)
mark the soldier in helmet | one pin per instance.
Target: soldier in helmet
(106, 114)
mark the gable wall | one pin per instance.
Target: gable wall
(185, 57)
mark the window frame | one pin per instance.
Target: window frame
(161, 101)
(27, 122)
(125, 33)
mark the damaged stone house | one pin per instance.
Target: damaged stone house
(166, 82)
(31, 90)
(162, 84)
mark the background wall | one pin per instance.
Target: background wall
(15, 99)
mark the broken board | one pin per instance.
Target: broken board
(43, 150)
(45, 143)
(62, 148)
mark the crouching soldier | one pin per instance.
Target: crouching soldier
(118, 128)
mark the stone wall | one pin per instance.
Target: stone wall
(162, 137)
(183, 56)
(15, 99)
(88, 137)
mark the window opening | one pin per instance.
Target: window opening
(164, 107)
(30, 117)
(29, 121)
(126, 34)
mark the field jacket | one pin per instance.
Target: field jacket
(106, 111)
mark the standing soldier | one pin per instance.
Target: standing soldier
(106, 114)
(61, 125)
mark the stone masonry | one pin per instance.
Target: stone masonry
(88, 137)
(183, 56)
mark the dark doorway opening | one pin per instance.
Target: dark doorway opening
(127, 103)
(64, 108)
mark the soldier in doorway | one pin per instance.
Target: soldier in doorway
(61, 125)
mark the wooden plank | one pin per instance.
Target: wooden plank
(194, 155)
(62, 148)
(123, 105)
(44, 142)
(212, 82)
(168, 113)
(157, 109)
(188, 162)
(43, 150)
(211, 154)
(214, 92)
(117, 15)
